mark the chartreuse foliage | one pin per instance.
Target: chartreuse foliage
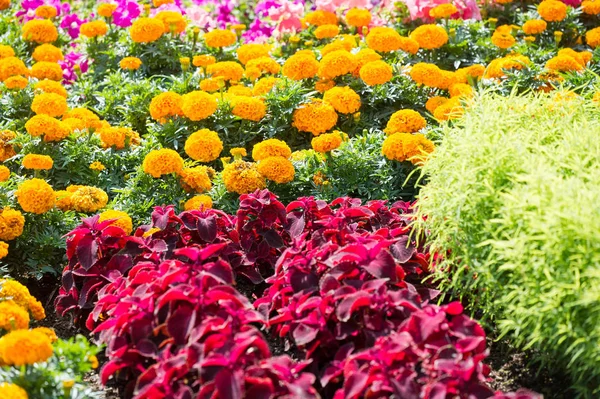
(513, 199)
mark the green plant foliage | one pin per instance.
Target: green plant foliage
(513, 201)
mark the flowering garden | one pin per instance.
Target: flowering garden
(329, 199)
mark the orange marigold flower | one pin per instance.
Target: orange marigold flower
(4, 173)
(203, 60)
(51, 128)
(301, 66)
(315, 117)
(250, 51)
(119, 137)
(47, 52)
(250, 108)
(23, 347)
(37, 162)
(327, 142)
(40, 31)
(534, 26)
(197, 178)
(90, 120)
(162, 162)
(6, 148)
(460, 90)
(166, 105)
(443, 11)
(407, 147)
(451, 109)
(239, 90)
(228, 70)
(12, 66)
(264, 64)
(271, 148)
(321, 17)
(203, 145)
(146, 30)
(49, 104)
(363, 57)
(198, 202)
(343, 99)
(63, 200)
(119, 218)
(264, 86)
(45, 11)
(130, 63)
(94, 28)
(242, 177)
(384, 39)
(592, 37)
(16, 83)
(277, 169)
(358, 17)
(211, 85)
(376, 73)
(552, 10)
(12, 316)
(173, 21)
(474, 72)
(35, 196)
(220, 38)
(564, 63)
(107, 10)
(591, 7)
(503, 40)
(434, 102)
(12, 223)
(405, 121)
(47, 70)
(430, 36)
(6, 51)
(336, 63)
(198, 105)
(326, 31)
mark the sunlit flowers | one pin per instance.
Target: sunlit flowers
(35, 196)
(162, 162)
(407, 147)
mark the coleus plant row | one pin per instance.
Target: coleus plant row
(343, 290)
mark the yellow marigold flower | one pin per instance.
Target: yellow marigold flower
(16, 83)
(336, 63)
(47, 12)
(35, 196)
(49, 104)
(384, 39)
(107, 10)
(503, 40)
(343, 99)
(336, 45)
(264, 86)
(162, 162)
(461, 90)
(15, 291)
(198, 105)
(323, 85)
(250, 108)
(97, 165)
(407, 147)
(358, 17)
(300, 66)
(130, 63)
(6, 51)
(270, 148)
(6, 149)
(315, 117)
(228, 70)
(89, 119)
(591, 7)
(474, 72)
(50, 86)
(376, 73)
(582, 57)
(592, 37)
(4, 173)
(534, 26)
(264, 64)
(49, 332)
(363, 57)
(326, 31)
(172, 20)
(40, 31)
(319, 18)
(166, 105)
(497, 67)
(327, 142)
(36, 308)
(12, 66)
(277, 169)
(119, 137)
(451, 109)
(239, 90)
(198, 202)
(250, 51)
(119, 218)
(88, 199)
(94, 28)
(47, 52)
(22, 347)
(252, 73)
(3, 254)
(564, 63)
(552, 10)
(432, 76)
(434, 102)
(146, 30)
(197, 178)
(203, 145)
(211, 85)
(430, 36)
(220, 38)
(12, 316)
(37, 162)
(47, 70)
(11, 224)
(405, 121)
(242, 177)
(443, 11)
(203, 60)
(63, 200)
(12, 391)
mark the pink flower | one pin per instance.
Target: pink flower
(201, 17)
(572, 3)
(71, 24)
(287, 16)
(467, 9)
(334, 5)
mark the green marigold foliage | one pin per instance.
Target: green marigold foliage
(513, 200)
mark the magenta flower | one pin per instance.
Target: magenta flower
(27, 12)
(126, 12)
(71, 24)
(73, 59)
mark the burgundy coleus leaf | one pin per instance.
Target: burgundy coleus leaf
(207, 228)
(180, 324)
(403, 249)
(351, 303)
(355, 385)
(304, 334)
(228, 385)
(87, 251)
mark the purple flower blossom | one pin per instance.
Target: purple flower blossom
(127, 11)
(72, 60)
(71, 24)
(258, 32)
(28, 7)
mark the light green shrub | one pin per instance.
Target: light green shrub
(513, 200)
